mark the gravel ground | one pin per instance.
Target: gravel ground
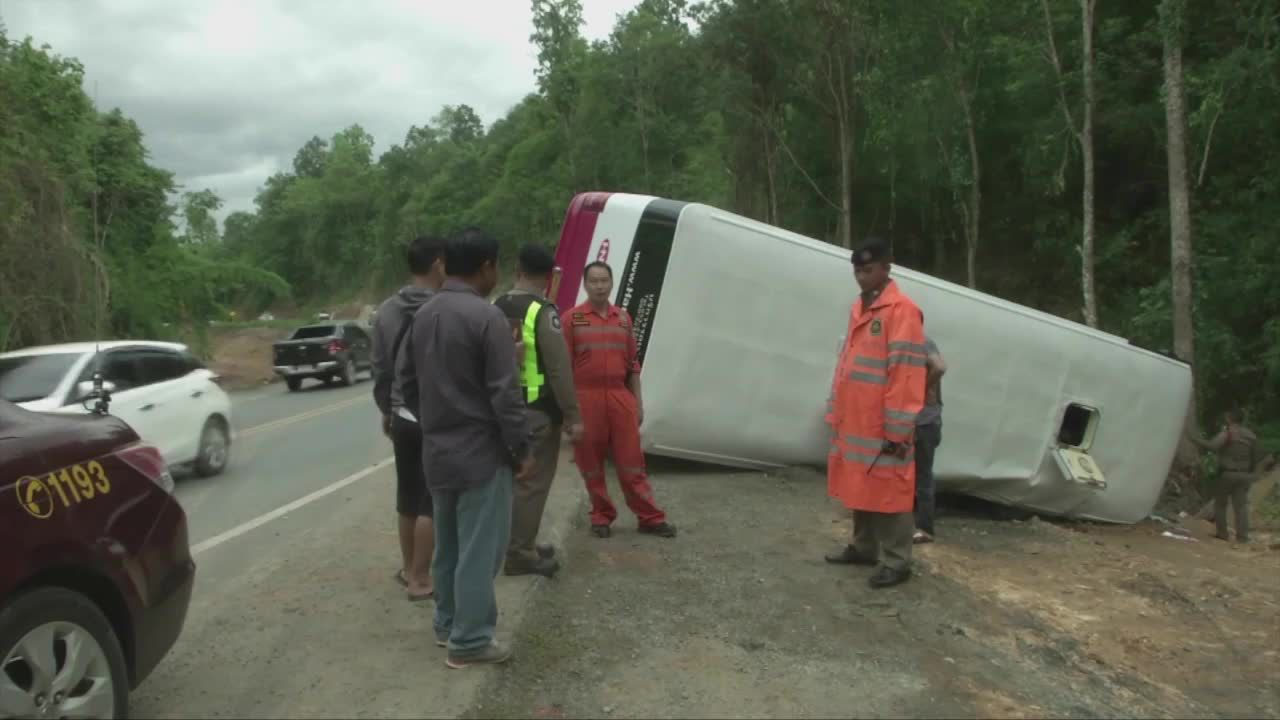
(740, 617)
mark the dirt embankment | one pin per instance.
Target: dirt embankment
(740, 617)
(243, 357)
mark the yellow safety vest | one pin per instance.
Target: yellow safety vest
(531, 378)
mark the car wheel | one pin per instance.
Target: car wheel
(61, 658)
(348, 376)
(215, 448)
(293, 384)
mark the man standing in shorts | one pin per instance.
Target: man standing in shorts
(391, 325)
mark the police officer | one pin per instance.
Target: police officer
(876, 395)
(1239, 463)
(546, 376)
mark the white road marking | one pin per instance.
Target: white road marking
(265, 518)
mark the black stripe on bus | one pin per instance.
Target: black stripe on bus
(642, 277)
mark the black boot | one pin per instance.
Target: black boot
(888, 577)
(545, 567)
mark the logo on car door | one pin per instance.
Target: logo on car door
(34, 497)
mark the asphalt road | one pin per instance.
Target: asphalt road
(286, 445)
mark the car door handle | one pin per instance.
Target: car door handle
(148, 406)
(197, 393)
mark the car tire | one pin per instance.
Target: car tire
(67, 621)
(214, 449)
(293, 384)
(348, 376)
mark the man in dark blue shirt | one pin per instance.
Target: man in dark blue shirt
(928, 438)
(474, 435)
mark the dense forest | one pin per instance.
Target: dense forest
(1104, 162)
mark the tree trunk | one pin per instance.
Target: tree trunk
(1180, 249)
(971, 209)
(771, 179)
(844, 111)
(1087, 193)
(846, 187)
(975, 194)
(1083, 134)
(893, 193)
(1179, 194)
(939, 253)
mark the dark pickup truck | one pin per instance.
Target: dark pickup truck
(334, 351)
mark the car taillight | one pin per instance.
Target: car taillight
(147, 460)
(336, 347)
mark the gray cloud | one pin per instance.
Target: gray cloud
(226, 91)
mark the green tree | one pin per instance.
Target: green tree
(198, 210)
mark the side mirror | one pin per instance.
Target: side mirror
(84, 389)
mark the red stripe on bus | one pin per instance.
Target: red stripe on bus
(575, 242)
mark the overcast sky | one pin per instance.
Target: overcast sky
(226, 91)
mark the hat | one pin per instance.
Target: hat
(871, 250)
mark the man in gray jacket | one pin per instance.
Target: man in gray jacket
(399, 422)
(474, 435)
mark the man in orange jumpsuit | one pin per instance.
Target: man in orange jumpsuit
(877, 392)
(606, 375)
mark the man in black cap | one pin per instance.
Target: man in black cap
(876, 395)
(546, 379)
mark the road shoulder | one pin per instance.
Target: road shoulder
(741, 617)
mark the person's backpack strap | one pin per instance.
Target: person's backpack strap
(408, 383)
(406, 322)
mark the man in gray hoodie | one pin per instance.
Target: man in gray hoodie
(392, 382)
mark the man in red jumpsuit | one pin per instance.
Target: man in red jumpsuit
(876, 395)
(606, 375)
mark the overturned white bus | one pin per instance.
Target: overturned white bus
(739, 324)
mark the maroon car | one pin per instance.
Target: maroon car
(95, 573)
